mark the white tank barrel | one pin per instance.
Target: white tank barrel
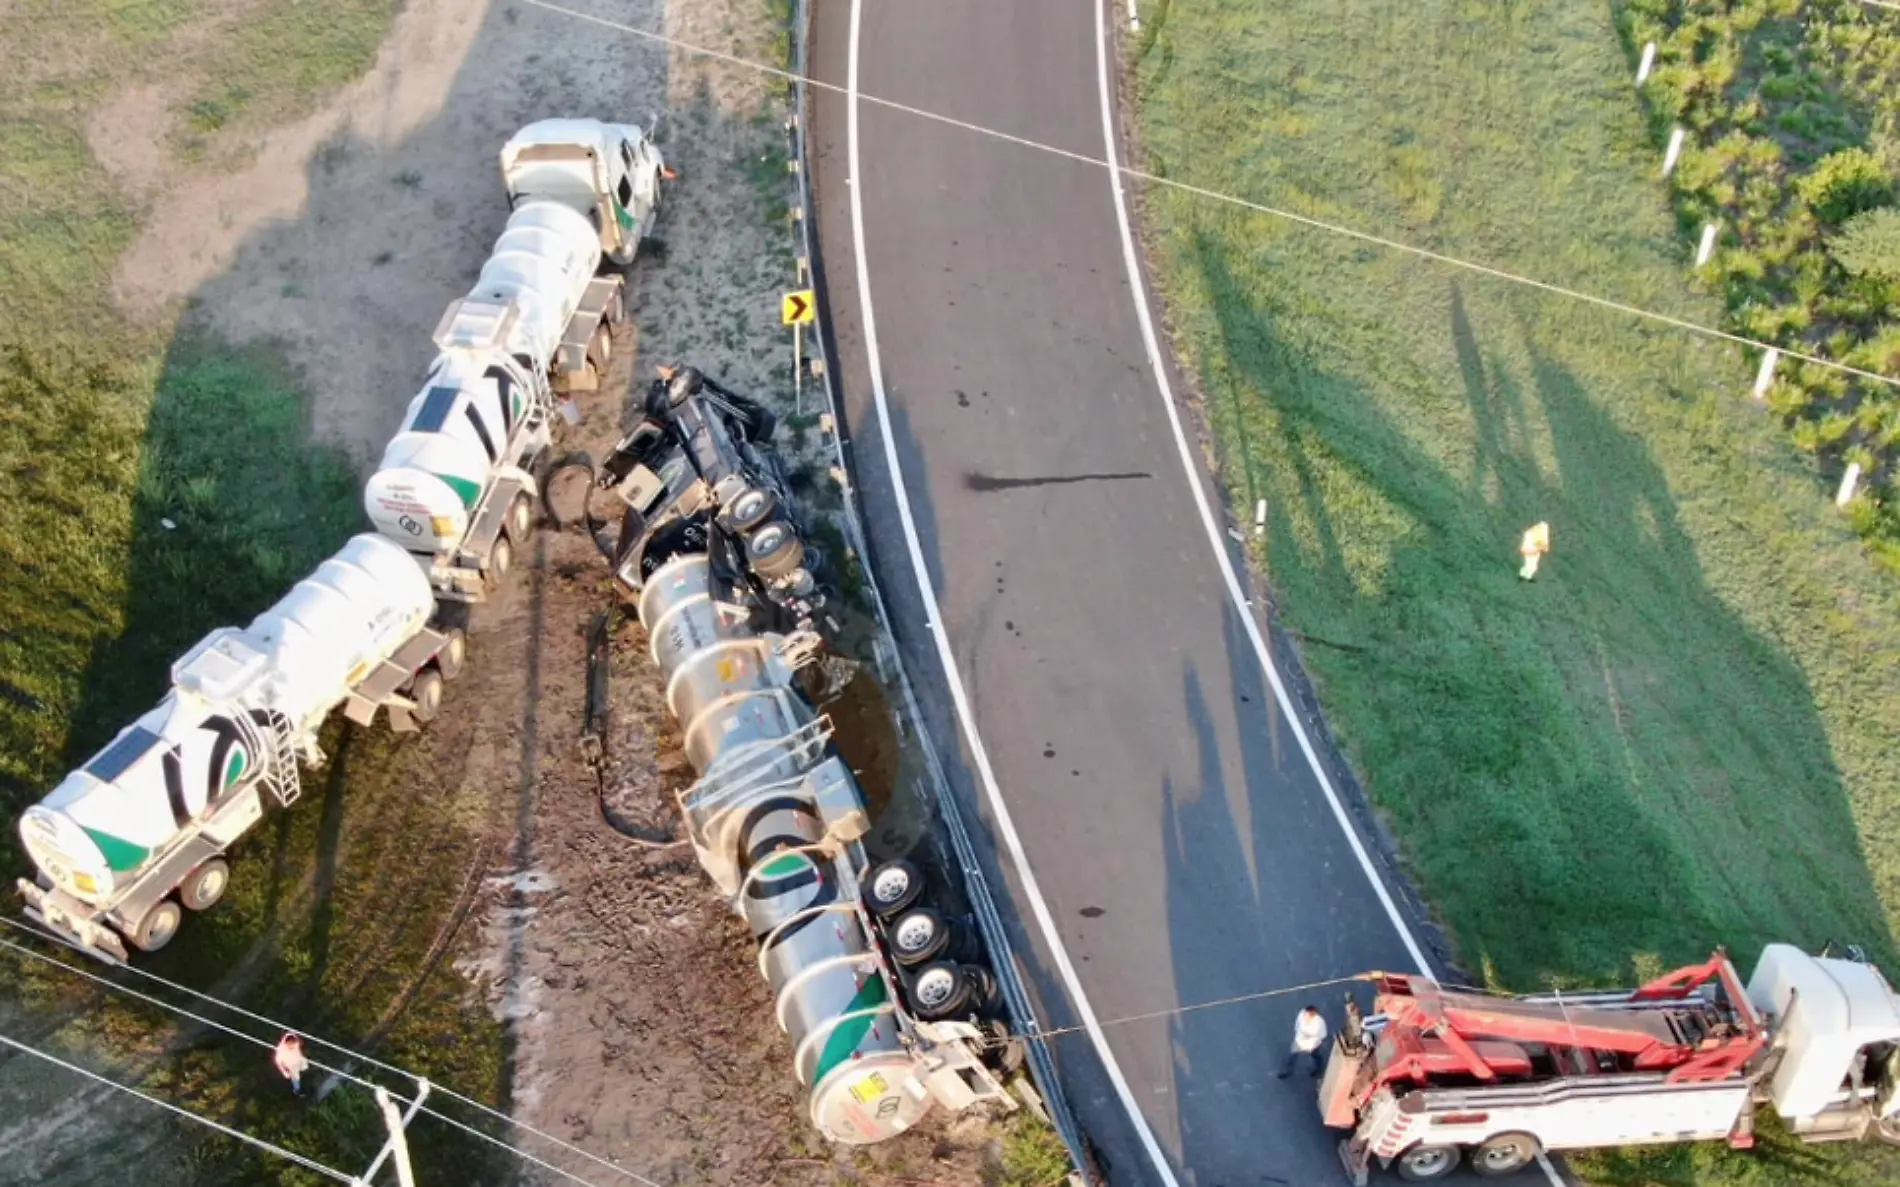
(756, 833)
(298, 659)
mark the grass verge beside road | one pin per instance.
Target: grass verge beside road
(1684, 732)
(156, 483)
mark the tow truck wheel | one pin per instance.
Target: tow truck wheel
(940, 991)
(1427, 1164)
(158, 927)
(454, 654)
(1505, 1154)
(426, 693)
(893, 887)
(205, 885)
(918, 936)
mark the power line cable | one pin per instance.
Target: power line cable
(435, 1088)
(177, 1009)
(1425, 253)
(260, 1143)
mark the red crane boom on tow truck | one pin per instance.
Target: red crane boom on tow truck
(1438, 1075)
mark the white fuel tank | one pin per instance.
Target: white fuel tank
(436, 468)
(298, 659)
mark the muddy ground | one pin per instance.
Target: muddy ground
(635, 1022)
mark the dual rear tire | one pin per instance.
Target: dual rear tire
(200, 891)
(1495, 1157)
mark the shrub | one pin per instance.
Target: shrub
(1846, 183)
(1869, 243)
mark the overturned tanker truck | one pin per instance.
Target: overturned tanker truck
(884, 1019)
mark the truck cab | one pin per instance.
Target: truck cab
(609, 172)
(1834, 1067)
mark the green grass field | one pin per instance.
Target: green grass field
(155, 483)
(1686, 731)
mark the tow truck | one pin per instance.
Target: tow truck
(1439, 1076)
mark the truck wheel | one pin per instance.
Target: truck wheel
(501, 558)
(600, 348)
(1427, 1164)
(1003, 1051)
(426, 692)
(454, 654)
(205, 885)
(1887, 1129)
(892, 888)
(918, 936)
(774, 550)
(1505, 1154)
(752, 508)
(157, 928)
(939, 991)
(521, 518)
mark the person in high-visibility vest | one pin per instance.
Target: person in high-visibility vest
(1536, 544)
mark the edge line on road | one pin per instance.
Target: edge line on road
(965, 717)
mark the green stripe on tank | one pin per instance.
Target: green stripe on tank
(465, 490)
(234, 767)
(846, 1036)
(120, 854)
(784, 865)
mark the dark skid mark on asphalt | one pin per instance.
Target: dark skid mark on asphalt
(987, 482)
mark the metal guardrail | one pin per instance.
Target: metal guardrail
(890, 665)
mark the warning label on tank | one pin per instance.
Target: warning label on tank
(870, 1088)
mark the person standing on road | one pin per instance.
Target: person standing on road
(290, 1060)
(1309, 1035)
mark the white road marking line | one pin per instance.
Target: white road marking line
(965, 718)
(1138, 290)
(1153, 347)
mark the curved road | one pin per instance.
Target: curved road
(1159, 831)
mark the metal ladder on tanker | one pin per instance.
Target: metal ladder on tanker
(274, 741)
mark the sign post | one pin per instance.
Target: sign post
(798, 310)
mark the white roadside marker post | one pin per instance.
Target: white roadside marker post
(1649, 59)
(1849, 481)
(1675, 150)
(1766, 375)
(1708, 244)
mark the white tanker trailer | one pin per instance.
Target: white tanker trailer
(456, 485)
(153, 812)
(881, 1025)
(139, 832)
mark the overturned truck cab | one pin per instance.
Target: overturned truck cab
(882, 1028)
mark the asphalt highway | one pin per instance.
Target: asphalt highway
(1181, 847)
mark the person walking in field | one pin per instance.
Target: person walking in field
(1309, 1035)
(290, 1060)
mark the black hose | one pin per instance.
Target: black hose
(594, 730)
(583, 461)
